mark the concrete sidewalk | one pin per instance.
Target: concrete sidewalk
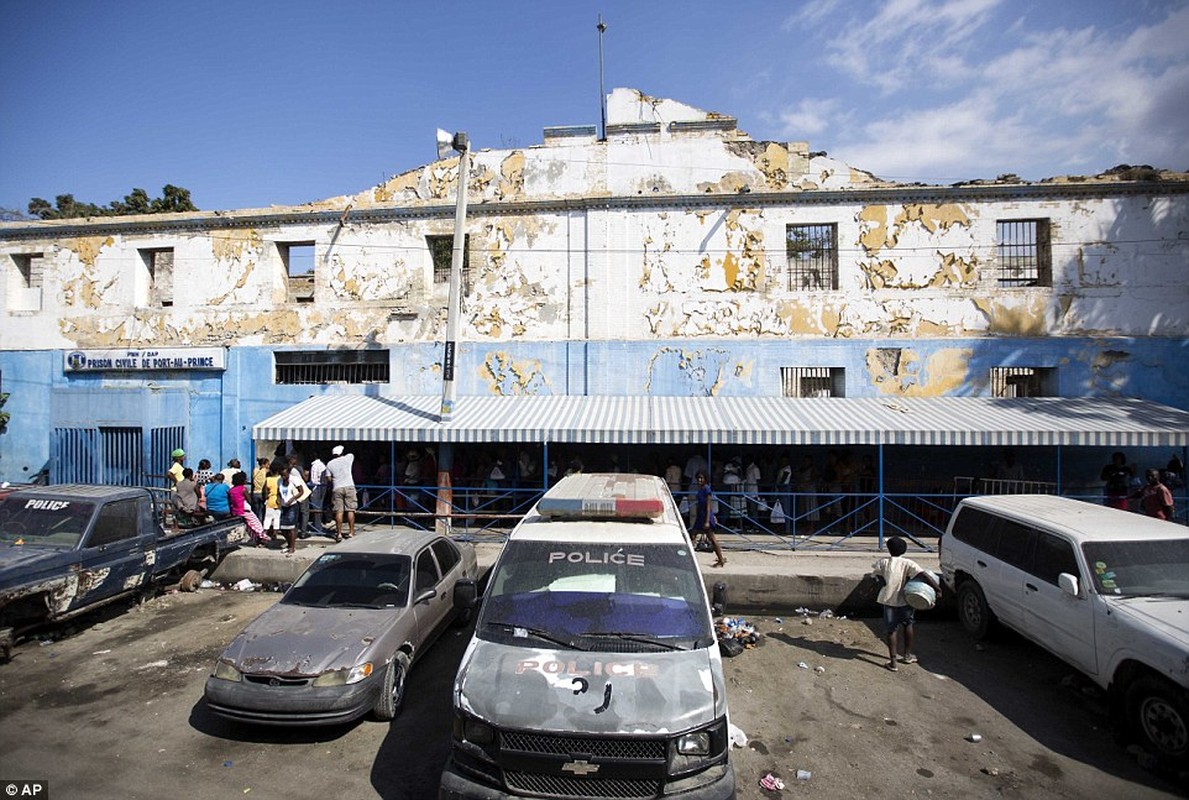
(757, 579)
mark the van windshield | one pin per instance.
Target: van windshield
(1149, 567)
(611, 598)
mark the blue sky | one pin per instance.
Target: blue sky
(276, 102)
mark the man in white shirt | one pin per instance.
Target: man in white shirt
(318, 494)
(342, 497)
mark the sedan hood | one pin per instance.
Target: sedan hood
(300, 640)
(1169, 615)
(566, 690)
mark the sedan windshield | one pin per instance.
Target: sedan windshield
(353, 580)
(1140, 568)
(43, 521)
(612, 598)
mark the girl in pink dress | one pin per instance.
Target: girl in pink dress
(238, 496)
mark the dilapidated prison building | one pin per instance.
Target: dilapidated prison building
(677, 283)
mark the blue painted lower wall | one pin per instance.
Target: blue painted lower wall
(218, 409)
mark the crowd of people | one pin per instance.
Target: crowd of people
(285, 498)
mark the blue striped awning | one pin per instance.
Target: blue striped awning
(1080, 421)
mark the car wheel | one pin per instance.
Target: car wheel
(976, 616)
(392, 692)
(1158, 718)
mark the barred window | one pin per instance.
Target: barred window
(812, 257)
(298, 258)
(441, 249)
(813, 381)
(331, 366)
(1023, 252)
(1023, 381)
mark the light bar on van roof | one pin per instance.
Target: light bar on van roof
(603, 497)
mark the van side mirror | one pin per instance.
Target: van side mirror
(466, 593)
(1068, 584)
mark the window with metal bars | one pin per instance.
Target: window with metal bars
(1023, 381)
(331, 366)
(298, 258)
(812, 257)
(813, 381)
(1023, 252)
(441, 249)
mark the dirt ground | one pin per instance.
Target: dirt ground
(115, 711)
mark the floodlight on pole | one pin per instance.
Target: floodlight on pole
(459, 143)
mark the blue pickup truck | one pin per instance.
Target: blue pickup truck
(68, 549)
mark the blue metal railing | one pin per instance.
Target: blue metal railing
(823, 520)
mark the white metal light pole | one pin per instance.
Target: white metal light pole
(459, 143)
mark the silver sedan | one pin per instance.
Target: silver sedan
(341, 641)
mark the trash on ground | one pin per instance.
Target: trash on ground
(974, 737)
(207, 584)
(826, 614)
(989, 771)
(804, 774)
(101, 652)
(771, 783)
(819, 669)
(245, 585)
(154, 665)
(737, 736)
(803, 665)
(735, 635)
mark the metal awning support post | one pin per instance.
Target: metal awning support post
(881, 494)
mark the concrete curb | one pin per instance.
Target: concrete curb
(756, 580)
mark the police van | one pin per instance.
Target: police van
(594, 670)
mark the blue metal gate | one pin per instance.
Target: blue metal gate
(112, 456)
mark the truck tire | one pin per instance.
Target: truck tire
(1158, 719)
(392, 689)
(190, 581)
(974, 613)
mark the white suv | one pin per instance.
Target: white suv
(1105, 590)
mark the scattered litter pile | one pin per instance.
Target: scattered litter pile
(735, 635)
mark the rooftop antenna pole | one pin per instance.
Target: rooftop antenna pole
(602, 26)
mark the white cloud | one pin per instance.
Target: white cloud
(908, 42)
(952, 107)
(809, 118)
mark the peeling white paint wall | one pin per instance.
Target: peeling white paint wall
(664, 265)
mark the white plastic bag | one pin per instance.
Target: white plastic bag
(777, 513)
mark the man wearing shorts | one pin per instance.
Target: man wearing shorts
(342, 497)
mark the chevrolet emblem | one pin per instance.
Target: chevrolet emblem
(580, 767)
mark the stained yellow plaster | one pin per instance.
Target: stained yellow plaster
(404, 183)
(955, 271)
(774, 163)
(500, 370)
(942, 373)
(1022, 318)
(230, 244)
(512, 174)
(873, 222)
(87, 247)
(880, 274)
